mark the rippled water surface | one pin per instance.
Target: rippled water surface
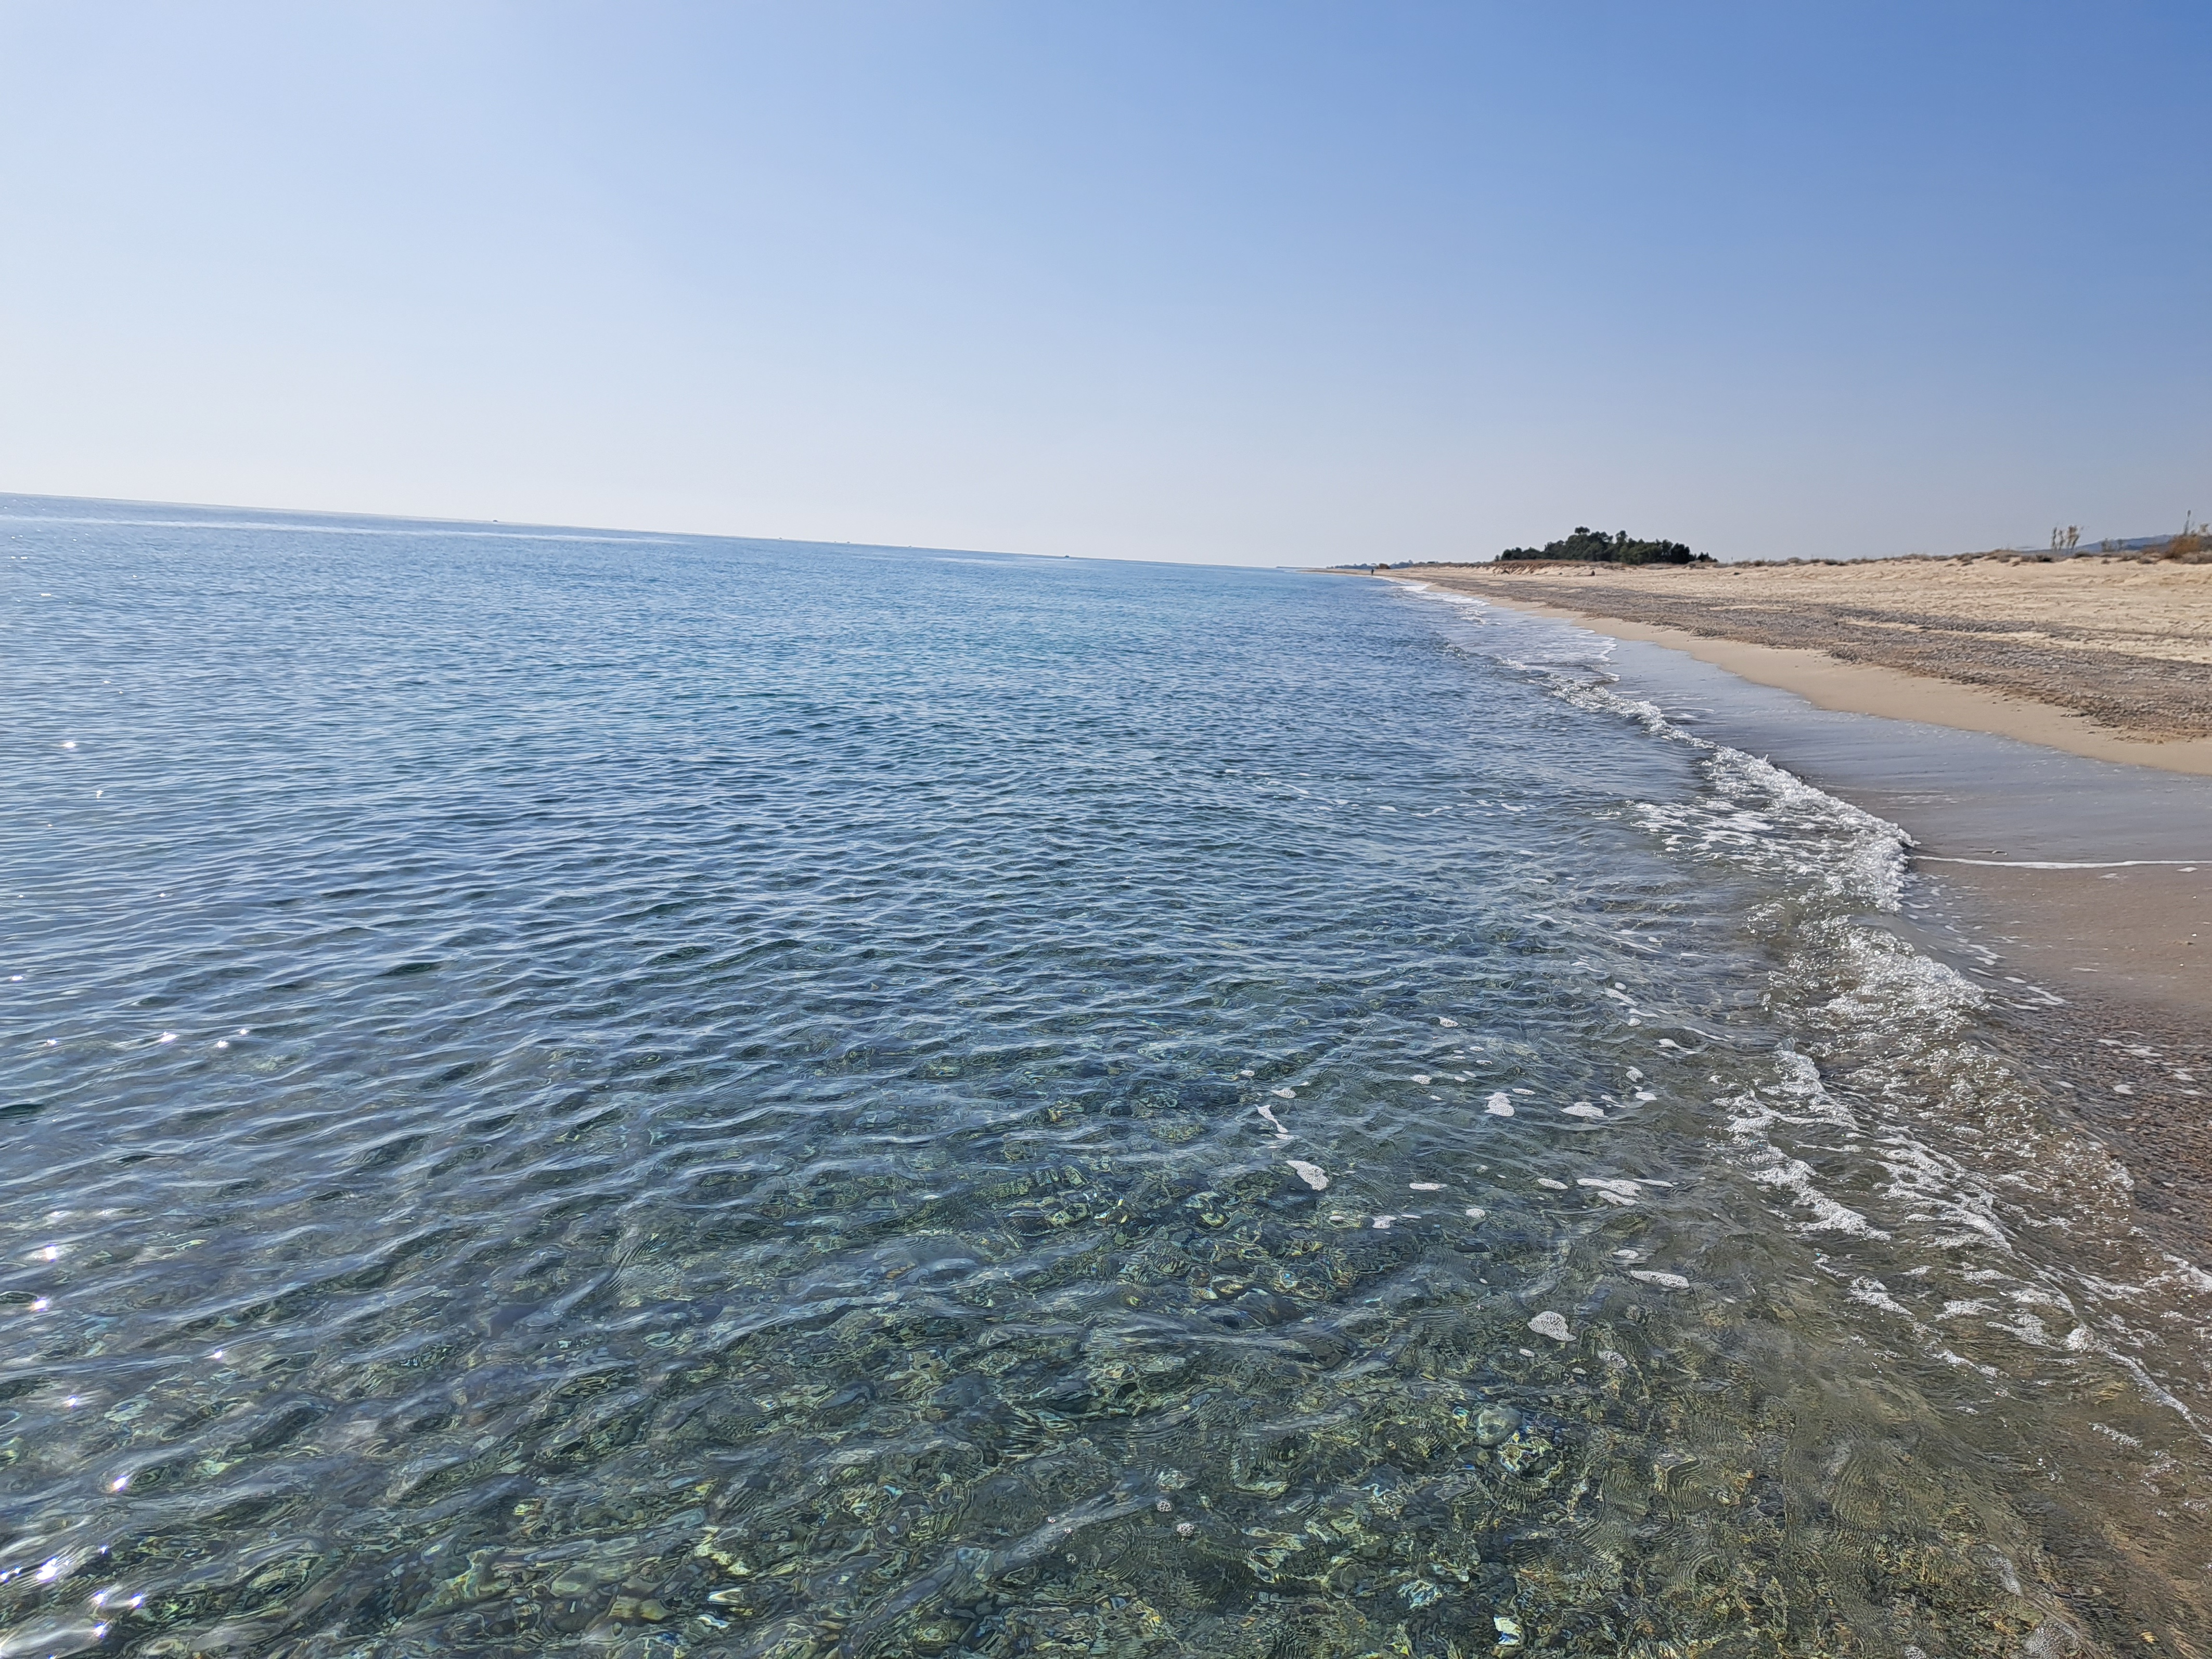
(663, 1095)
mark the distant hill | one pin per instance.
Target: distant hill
(1587, 546)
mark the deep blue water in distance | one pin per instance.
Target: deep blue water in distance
(575, 1090)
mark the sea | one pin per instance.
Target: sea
(645, 1095)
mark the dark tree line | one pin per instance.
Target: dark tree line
(1589, 546)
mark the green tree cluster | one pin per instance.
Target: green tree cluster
(1593, 546)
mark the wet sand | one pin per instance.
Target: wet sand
(2128, 1042)
(2106, 658)
(2075, 890)
(2090, 876)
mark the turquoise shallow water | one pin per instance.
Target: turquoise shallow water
(667, 1095)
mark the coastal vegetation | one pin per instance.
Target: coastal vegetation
(1587, 546)
(2191, 546)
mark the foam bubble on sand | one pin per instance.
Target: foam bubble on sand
(1552, 1325)
(1665, 1281)
(1499, 1105)
(1312, 1173)
(1582, 1109)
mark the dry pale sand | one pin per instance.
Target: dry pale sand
(2104, 657)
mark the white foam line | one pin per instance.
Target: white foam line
(2041, 864)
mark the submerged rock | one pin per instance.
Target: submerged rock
(1493, 1423)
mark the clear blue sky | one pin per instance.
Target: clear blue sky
(1268, 282)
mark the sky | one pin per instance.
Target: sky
(1261, 283)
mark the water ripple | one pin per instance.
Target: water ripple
(691, 1095)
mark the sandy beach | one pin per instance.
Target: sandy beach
(2108, 658)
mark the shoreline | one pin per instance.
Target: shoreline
(1859, 687)
(2070, 882)
(2078, 859)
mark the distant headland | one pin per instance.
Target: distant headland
(1587, 546)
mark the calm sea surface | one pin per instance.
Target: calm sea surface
(658, 1095)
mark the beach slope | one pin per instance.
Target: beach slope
(2109, 658)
